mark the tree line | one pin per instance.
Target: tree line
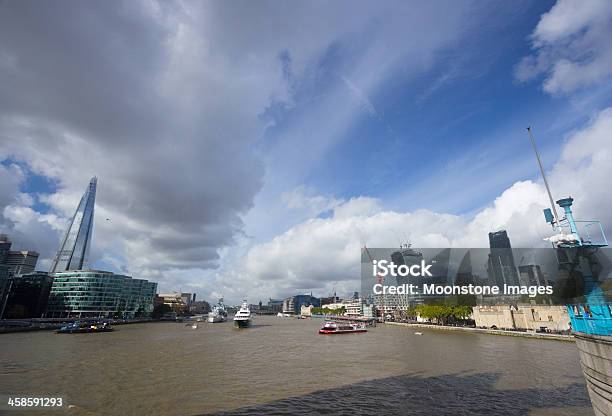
(327, 311)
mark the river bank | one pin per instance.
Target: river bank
(12, 326)
(536, 335)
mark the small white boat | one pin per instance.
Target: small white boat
(418, 333)
(194, 326)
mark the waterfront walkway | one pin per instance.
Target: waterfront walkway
(537, 335)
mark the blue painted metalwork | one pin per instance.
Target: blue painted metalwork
(549, 216)
(595, 315)
(591, 319)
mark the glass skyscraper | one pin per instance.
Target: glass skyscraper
(501, 267)
(72, 254)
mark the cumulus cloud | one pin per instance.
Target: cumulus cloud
(11, 177)
(324, 253)
(305, 199)
(571, 46)
(166, 106)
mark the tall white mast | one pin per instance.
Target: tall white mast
(552, 201)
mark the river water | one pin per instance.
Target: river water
(282, 366)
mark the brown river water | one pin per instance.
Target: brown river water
(283, 366)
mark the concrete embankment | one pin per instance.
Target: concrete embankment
(535, 335)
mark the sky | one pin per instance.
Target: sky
(249, 149)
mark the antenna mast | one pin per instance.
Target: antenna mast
(535, 150)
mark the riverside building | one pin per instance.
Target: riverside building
(293, 305)
(178, 302)
(14, 264)
(99, 294)
(26, 296)
(352, 307)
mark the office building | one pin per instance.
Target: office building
(501, 268)
(5, 247)
(293, 305)
(199, 307)
(464, 274)
(352, 307)
(100, 294)
(178, 302)
(389, 303)
(275, 305)
(21, 262)
(73, 252)
(532, 275)
(288, 306)
(27, 296)
(330, 299)
(17, 262)
(12, 264)
(187, 298)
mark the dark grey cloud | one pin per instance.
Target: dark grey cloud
(166, 101)
(122, 91)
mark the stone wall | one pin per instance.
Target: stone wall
(524, 317)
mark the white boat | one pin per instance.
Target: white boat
(418, 333)
(242, 319)
(218, 313)
(194, 326)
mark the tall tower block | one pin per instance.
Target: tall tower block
(74, 250)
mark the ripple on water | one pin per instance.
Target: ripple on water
(282, 366)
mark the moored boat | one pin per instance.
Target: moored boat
(330, 327)
(218, 313)
(78, 328)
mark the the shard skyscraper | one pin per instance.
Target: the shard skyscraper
(72, 254)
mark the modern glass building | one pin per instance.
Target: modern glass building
(99, 294)
(501, 267)
(12, 265)
(27, 296)
(73, 252)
